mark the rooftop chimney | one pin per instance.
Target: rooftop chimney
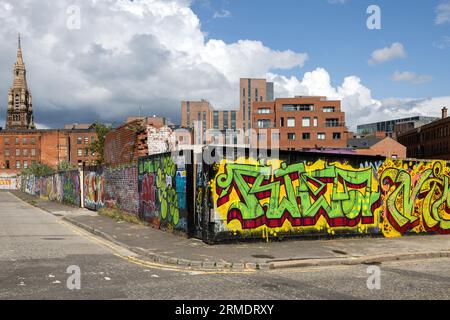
(444, 112)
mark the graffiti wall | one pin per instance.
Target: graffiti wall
(279, 198)
(94, 188)
(121, 188)
(163, 192)
(8, 183)
(62, 187)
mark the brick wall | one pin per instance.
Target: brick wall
(121, 188)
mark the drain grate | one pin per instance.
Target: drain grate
(53, 239)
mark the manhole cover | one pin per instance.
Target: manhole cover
(52, 239)
(262, 256)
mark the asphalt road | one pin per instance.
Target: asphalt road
(36, 248)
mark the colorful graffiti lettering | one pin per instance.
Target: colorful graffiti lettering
(298, 195)
(416, 197)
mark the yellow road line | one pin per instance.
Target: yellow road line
(132, 259)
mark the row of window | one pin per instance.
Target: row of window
(320, 136)
(6, 141)
(19, 164)
(21, 152)
(86, 152)
(305, 107)
(291, 123)
(305, 136)
(86, 140)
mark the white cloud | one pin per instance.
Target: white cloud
(443, 43)
(153, 53)
(222, 14)
(357, 100)
(443, 13)
(411, 77)
(150, 53)
(337, 1)
(395, 51)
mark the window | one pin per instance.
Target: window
(225, 120)
(188, 113)
(291, 136)
(262, 137)
(306, 122)
(331, 123)
(24, 141)
(6, 140)
(80, 152)
(33, 152)
(306, 136)
(336, 136)
(17, 152)
(25, 164)
(276, 136)
(79, 140)
(92, 139)
(33, 140)
(264, 123)
(316, 122)
(329, 109)
(291, 122)
(86, 140)
(233, 119)
(281, 122)
(25, 152)
(18, 164)
(298, 107)
(86, 152)
(264, 110)
(17, 141)
(7, 164)
(321, 136)
(17, 102)
(216, 120)
(7, 152)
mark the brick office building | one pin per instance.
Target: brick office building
(300, 123)
(431, 141)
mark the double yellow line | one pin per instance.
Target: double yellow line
(115, 249)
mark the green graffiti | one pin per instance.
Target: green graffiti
(345, 197)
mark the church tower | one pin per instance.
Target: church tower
(20, 107)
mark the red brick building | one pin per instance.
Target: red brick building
(300, 123)
(431, 141)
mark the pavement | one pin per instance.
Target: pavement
(169, 249)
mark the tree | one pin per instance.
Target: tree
(98, 145)
(65, 166)
(38, 170)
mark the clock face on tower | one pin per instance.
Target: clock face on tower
(20, 109)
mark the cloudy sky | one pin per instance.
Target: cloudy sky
(91, 60)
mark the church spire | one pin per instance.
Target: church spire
(19, 53)
(20, 106)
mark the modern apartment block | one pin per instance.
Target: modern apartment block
(201, 116)
(252, 91)
(300, 123)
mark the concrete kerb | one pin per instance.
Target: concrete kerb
(251, 266)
